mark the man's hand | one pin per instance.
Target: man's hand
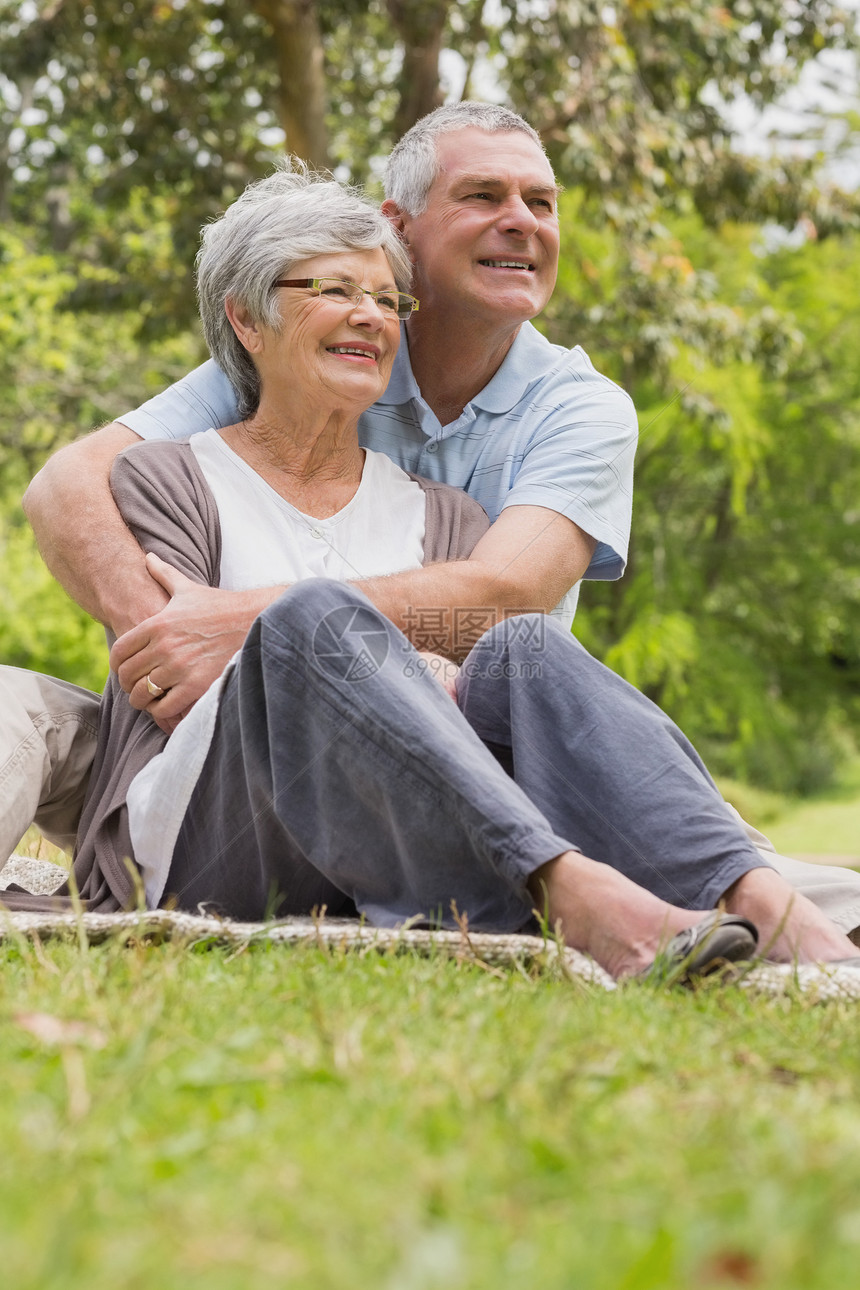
(186, 646)
(442, 670)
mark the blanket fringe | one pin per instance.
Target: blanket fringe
(813, 984)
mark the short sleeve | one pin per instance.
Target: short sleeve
(579, 462)
(200, 401)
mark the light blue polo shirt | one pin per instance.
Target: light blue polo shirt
(548, 430)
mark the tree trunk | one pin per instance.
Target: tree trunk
(420, 24)
(302, 97)
(34, 50)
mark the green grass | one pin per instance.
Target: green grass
(819, 828)
(293, 1118)
(826, 824)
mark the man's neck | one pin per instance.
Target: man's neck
(451, 363)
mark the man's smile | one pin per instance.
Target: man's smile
(508, 264)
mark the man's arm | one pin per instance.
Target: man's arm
(527, 560)
(82, 536)
(80, 532)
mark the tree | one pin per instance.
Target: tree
(103, 104)
(623, 97)
(62, 372)
(124, 126)
(740, 609)
(300, 63)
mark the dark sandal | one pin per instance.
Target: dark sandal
(697, 951)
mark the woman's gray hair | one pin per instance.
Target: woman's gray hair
(413, 167)
(289, 216)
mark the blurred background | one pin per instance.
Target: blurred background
(711, 263)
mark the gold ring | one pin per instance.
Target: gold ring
(155, 690)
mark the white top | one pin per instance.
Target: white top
(547, 430)
(265, 542)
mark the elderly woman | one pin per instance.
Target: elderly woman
(326, 766)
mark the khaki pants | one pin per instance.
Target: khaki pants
(48, 732)
(833, 888)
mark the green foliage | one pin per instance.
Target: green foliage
(64, 371)
(740, 609)
(67, 363)
(40, 628)
(124, 126)
(188, 99)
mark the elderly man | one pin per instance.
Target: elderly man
(477, 398)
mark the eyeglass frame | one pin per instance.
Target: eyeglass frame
(354, 301)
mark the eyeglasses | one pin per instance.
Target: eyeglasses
(349, 293)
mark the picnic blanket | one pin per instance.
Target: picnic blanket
(813, 983)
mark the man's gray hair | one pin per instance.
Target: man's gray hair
(289, 216)
(413, 167)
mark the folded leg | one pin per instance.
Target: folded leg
(609, 769)
(341, 773)
(604, 765)
(832, 888)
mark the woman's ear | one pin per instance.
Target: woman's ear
(243, 325)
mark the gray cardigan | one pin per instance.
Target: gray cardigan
(165, 501)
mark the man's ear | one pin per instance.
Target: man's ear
(398, 218)
(243, 325)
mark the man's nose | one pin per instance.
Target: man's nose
(518, 217)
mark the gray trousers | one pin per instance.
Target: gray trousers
(48, 741)
(341, 773)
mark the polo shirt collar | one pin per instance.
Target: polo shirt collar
(528, 359)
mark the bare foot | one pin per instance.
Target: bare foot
(605, 914)
(791, 928)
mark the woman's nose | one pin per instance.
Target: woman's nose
(368, 313)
